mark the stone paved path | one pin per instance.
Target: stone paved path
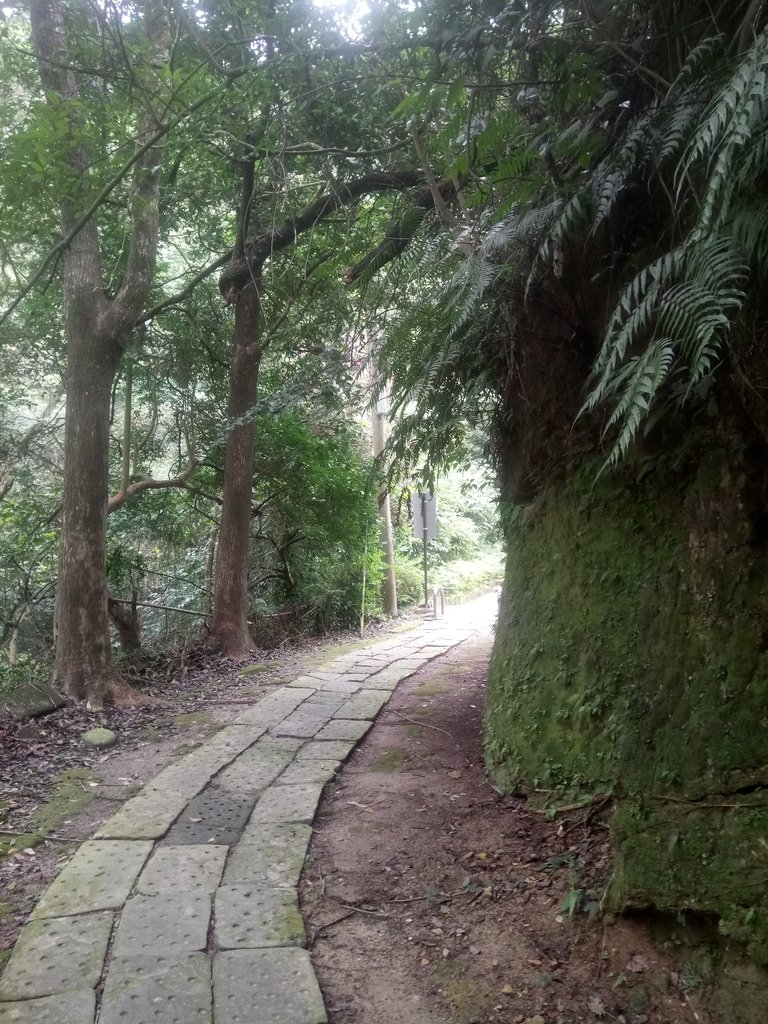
(183, 908)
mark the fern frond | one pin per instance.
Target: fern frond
(639, 384)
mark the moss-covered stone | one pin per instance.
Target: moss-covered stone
(632, 656)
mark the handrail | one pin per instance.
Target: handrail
(437, 591)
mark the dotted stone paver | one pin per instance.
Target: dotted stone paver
(99, 877)
(201, 868)
(269, 853)
(337, 750)
(158, 990)
(217, 816)
(256, 916)
(196, 868)
(343, 729)
(67, 1008)
(288, 803)
(364, 705)
(305, 721)
(259, 766)
(275, 706)
(172, 923)
(266, 986)
(317, 770)
(341, 684)
(56, 955)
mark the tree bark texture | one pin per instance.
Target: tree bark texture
(125, 618)
(98, 328)
(229, 626)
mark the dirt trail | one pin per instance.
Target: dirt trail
(431, 899)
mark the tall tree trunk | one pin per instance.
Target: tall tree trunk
(83, 666)
(98, 329)
(229, 626)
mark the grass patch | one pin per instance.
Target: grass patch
(190, 719)
(261, 666)
(390, 760)
(414, 732)
(69, 796)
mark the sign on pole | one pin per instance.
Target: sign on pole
(421, 502)
(425, 526)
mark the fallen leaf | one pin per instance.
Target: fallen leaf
(507, 990)
(454, 775)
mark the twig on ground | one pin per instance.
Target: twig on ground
(437, 899)
(593, 802)
(330, 924)
(53, 839)
(357, 910)
(424, 725)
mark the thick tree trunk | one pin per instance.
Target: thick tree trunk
(229, 626)
(97, 331)
(83, 667)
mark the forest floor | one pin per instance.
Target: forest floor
(428, 897)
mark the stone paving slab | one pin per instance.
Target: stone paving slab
(327, 699)
(275, 706)
(364, 705)
(269, 853)
(266, 986)
(342, 729)
(196, 868)
(303, 683)
(341, 684)
(320, 770)
(158, 990)
(99, 877)
(258, 766)
(217, 816)
(172, 924)
(56, 955)
(150, 814)
(385, 681)
(66, 1008)
(256, 916)
(305, 721)
(288, 803)
(324, 750)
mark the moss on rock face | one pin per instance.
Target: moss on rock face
(632, 655)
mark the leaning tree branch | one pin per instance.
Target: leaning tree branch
(273, 240)
(399, 235)
(186, 291)
(150, 484)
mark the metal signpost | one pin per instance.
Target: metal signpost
(425, 526)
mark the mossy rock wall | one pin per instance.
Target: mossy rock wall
(632, 656)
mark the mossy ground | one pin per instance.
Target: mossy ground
(631, 657)
(70, 795)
